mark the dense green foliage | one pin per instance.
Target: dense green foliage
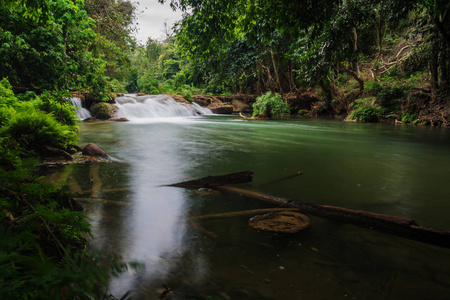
(44, 121)
(74, 47)
(270, 106)
(46, 48)
(367, 113)
(270, 42)
(42, 254)
(158, 68)
(340, 49)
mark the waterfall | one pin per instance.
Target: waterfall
(135, 107)
(82, 113)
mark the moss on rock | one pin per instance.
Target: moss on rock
(103, 110)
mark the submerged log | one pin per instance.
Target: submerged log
(207, 233)
(212, 181)
(400, 226)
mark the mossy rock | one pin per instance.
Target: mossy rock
(223, 109)
(103, 110)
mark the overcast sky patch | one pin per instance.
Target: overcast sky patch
(151, 16)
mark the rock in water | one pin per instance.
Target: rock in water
(92, 149)
(103, 110)
(286, 221)
(222, 109)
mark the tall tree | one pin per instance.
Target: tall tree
(53, 54)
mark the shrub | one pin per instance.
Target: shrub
(180, 79)
(115, 86)
(187, 95)
(389, 96)
(270, 106)
(7, 97)
(35, 130)
(367, 113)
(362, 102)
(58, 105)
(147, 84)
(301, 112)
(407, 117)
(372, 87)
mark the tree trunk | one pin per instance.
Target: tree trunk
(433, 65)
(357, 78)
(258, 83)
(443, 31)
(355, 49)
(276, 73)
(328, 93)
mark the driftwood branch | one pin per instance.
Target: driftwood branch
(212, 181)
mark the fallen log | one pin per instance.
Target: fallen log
(212, 181)
(400, 226)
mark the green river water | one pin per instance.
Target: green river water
(396, 170)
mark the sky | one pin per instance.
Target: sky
(151, 16)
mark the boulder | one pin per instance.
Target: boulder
(225, 109)
(179, 99)
(103, 110)
(203, 101)
(241, 106)
(92, 149)
(90, 120)
(118, 119)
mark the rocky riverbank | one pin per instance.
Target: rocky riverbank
(418, 107)
(89, 153)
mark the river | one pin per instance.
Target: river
(397, 170)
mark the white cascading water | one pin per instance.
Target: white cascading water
(82, 113)
(135, 108)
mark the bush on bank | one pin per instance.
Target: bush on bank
(42, 229)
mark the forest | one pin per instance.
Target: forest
(358, 60)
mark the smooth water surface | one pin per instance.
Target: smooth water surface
(397, 170)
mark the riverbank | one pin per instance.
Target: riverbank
(386, 104)
(42, 228)
(402, 103)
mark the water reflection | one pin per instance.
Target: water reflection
(386, 169)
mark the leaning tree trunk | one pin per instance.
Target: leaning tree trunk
(434, 66)
(354, 75)
(277, 76)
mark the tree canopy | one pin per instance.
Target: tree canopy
(282, 45)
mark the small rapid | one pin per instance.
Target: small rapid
(138, 108)
(82, 113)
